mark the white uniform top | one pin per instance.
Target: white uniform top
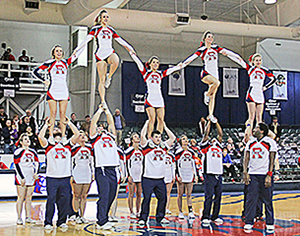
(105, 149)
(259, 155)
(212, 158)
(154, 160)
(59, 160)
(121, 169)
(209, 58)
(26, 163)
(57, 73)
(83, 163)
(153, 81)
(170, 168)
(134, 163)
(103, 37)
(185, 164)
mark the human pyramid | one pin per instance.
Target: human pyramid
(149, 164)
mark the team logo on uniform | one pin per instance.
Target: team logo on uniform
(137, 157)
(211, 56)
(105, 34)
(107, 142)
(216, 152)
(257, 153)
(60, 153)
(84, 154)
(258, 75)
(158, 155)
(187, 156)
(155, 79)
(60, 69)
(29, 157)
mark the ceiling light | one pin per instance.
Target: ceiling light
(270, 1)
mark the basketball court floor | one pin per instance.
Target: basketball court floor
(286, 205)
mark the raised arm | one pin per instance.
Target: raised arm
(206, 131)
(42, 139)
(125, 44)
(170, 134)
(74, 130)
(144, 133)
(83, 44)
(219, 132)
(191, 58)
(93, 127)
(235, 57)
(110, 121)
(138, 62)
(172, 69)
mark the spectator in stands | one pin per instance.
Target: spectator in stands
(86, 124)
(2, 165)
(3, 117)
(228, 165)
(24, 124)
(9, 145)
(34, 143)
(14, 133)
(75, 122)
(8, 56)
(275, 128)
(231, 147)
(24, 58)
(240, 156)
(3, 49)
(119, 124)
(32, 122)
(16, 121)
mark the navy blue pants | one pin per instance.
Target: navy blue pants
(255, 190)
(59, 193)
(212, 186)
(258, 207)
(157, 186)
(106, 180)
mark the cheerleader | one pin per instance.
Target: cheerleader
(255, 95)
(154, 102)
(83, 175)
(26, 163)
(209, 75)
(134, 160)
(186, 173)
(57, 87)
(169, 177)
(105, 54)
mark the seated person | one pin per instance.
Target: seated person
(228, 165)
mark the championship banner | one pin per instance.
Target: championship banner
(177, 83)
(138, 102)
(9, 83)
(230, 83)
(280, 87)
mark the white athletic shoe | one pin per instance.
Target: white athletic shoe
(138, 214)
(104, 104)
(64, 226)
(132, 216)
(107, 81)
(64, 140)
(191, 215)
(20, 222)
(181, 216)
(51, 140)
(78, 220)
(84, 220)
(106, 226)
(48, 227)
(213, 119)
(218, 221)
(165, 221)
(113, 219)
(248, 227)
(168, 212)
(206, 98)
(205, 222)
(270, 228)
(141, 222)
(30, 221)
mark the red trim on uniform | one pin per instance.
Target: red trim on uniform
(198, 53)
(49, 95)
(204, 53)
(147, 104)
(147, 150)
(17, 181)
(249, 97)
(147, 76)
(252, 144)
(51, 66)
(205, 150)
(43, 67)
(219, 49)
(266, 145)
(65, 64)
(48, 149)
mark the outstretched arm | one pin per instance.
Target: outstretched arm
(190, 59)
(83, 44)
(143, 133)
(138, 62)
(125, 44)
(93, 127)
(110, 121)
(172, 69)
(235, 57)
(207, 131)
(219, 132)
(42, 139)
(170, 134)
(74, 130)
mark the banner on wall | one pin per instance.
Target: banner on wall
(280, 87)
(177, 83)
(138, 102)
(230, 83)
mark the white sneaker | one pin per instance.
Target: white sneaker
(64, 226)
(30, 221)
(106, 226)
(132, 216)
(206, 98)
(205, 221)
(84, 221)
(48, 227)
(78, 220)
(113, 219)
(64, 140)
(141, 222)
(104, 104)
(181, 215)
(168, 212)
(107, 81)
(213, 119)
(51, 140)
(248, 227)
(19, 221)
(270, 228)
(138, 214)
(165, 221)
(191, 215)
(218, 221)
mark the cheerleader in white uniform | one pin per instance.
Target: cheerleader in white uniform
(154, 103)
(186, 173)
(83, 175)
(26, 162)
(57, 70)
(105, 54)
(169, 177)
(208, 52)
(134, 165)
(255, 95)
